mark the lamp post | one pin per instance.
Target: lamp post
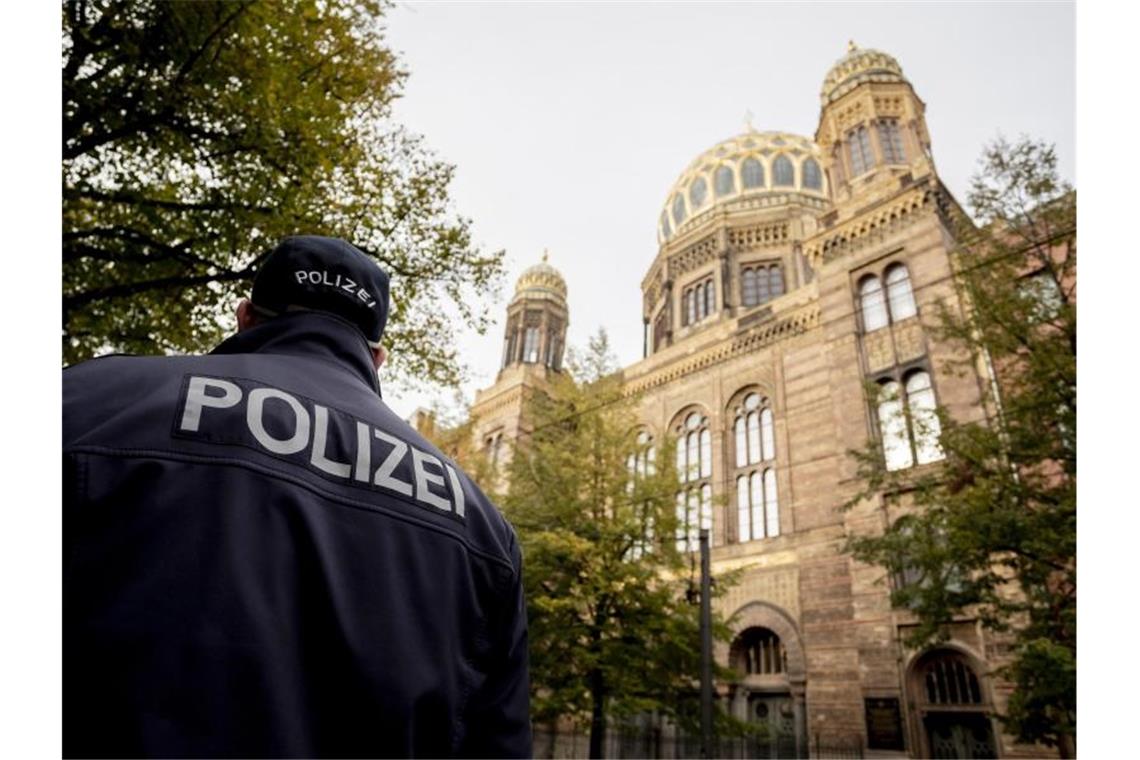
(706, 649)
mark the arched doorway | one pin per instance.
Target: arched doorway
(952, 706)
(759, 656)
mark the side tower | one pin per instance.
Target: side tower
(883, 258)
(533, 346)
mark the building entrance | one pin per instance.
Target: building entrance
(776, 715)
(959, 735)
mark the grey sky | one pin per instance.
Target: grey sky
(568, 123)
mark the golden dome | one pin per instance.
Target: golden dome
(541, 279)
(749, 164)
(858, 66)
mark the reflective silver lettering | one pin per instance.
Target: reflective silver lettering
(423, 477)
(301, 276)
(196, 399)
(320, 443)
(457, 489)
(349, 284)
(384, 472)
(363, 452)
(253, 418)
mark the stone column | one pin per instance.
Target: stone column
(799, 709)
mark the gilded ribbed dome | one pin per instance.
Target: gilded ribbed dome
(541, 279)
(858, 66)
(749, 164)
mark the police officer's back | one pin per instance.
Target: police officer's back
(262, 559)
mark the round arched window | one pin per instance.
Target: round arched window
(812, 176)
(724, 181)
(678, 209)
(783, 175)
(751, 173)
(698, 191)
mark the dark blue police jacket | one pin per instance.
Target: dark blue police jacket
(261, 559)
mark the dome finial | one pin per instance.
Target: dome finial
(851, 46)
(748, 120)
(545, 255)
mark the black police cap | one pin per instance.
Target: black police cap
(324, 274)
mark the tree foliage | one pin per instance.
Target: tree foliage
(196, 135)
(611, 631)
(991, 531)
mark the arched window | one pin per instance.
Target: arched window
(530, 345)
(859, 144)
(947, 679)
(872, 303)
(748, 293)
(642, 463)
(892, 427)
(694, 469)
(923, 419)
(710, 298)
(908, 424)
(666, 230)
(775, 281)
(678, 209)
(754, 442)
(812, 177)
(783, 174)
(757, 651)
(698, 191)
(723, 181)
(751, 173)
(900, 296)
(890, 142)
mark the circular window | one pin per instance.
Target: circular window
(761, 709)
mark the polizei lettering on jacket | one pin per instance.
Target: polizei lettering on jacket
(338, 281)
(321, 439)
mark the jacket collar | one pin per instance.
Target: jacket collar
(311, 334)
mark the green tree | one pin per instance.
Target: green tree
(196, 135)
(611, 631)
(992, 530)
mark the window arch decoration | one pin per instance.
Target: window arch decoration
(724, 181)
(946, 677)
(908, 423)
(811, 175)
(872, 304)
(754, 474)
(900, 295)
(642, 463)
(751, 173)
(698, 301)
(694, 471)
(783, 173)
(758, 651)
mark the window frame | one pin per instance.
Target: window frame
(754, 479)
(920, 451)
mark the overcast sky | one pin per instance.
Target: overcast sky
(568, 123)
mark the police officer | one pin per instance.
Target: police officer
(261, 559)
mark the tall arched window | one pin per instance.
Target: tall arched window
(923, 419)
(872, 303)
(666, 230)
(783, 174)
(530, 345)
(900, 296)
(892, 427)
(642, 463)
(723, 181)
(751, 173)
(812, 177)
(908, 424)
(694, 469)
(760, 283)
(754, 444)
(710, 298)
(890, 142)
(859, 144)
(748, 293)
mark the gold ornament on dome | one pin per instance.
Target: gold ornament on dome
(859, 65)
(542, 277)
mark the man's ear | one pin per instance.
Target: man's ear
(246, 316)
(379, 356)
